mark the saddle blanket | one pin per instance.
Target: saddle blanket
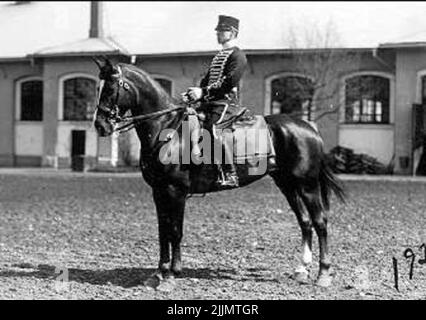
(251, 139)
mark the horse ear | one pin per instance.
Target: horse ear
(110, 66)
(98, 62)
(107, 61)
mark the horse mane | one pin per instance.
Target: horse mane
(163, 96)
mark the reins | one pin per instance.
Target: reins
(132, 120)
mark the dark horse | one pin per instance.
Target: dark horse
(301, 172)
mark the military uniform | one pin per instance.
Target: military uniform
(224, 74)
(220, 88)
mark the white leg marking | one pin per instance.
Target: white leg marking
(307, 254)
(301, 269)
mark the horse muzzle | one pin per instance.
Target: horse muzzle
(103, 127)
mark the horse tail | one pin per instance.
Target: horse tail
(329, 182)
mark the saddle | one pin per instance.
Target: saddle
(251, 137)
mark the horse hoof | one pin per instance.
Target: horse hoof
(301, 276)
(176, 271)
(167, 285)
(164, 267)
(154, 280)
(324, 281)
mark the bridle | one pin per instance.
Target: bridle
(130, 122)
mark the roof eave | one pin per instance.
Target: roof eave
(399, 45)
(247, 52)
(77, 54)
(14, 59)
(301, 50)
(115, 48)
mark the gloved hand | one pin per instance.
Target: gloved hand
(194, 94)
(185, 97)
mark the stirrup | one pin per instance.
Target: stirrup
(230, 181)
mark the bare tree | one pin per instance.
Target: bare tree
(317, 55)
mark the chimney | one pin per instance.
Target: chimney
(96, 19)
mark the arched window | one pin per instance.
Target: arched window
(423, 94)
(367, 99)
(292, 95)
(79, 98)
(30, 99)
(165, 83)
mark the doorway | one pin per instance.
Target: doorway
(78, 147)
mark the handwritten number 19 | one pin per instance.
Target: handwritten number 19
(408, 254)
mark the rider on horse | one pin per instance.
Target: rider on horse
(218, 91)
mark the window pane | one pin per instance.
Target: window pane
(79, 99)
(356, 111)
(32, 100)
(379, 112)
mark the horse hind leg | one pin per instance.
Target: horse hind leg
(301, 273)
(311, 198)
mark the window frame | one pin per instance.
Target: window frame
(167, 78)
(367, 101)
(387, 76)
(419, 88)
(18, 97)
(61, 98)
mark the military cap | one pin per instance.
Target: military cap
(227, 23)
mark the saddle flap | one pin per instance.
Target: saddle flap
(252, 139)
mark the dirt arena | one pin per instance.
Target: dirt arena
(99, 232)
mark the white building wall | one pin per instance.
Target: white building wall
(63, 146)
(375, 141)
(28, 139)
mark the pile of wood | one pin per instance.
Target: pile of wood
(345, 160)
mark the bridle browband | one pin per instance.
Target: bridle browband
(113, 114)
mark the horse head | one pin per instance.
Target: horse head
(125, 87)
(114, 98)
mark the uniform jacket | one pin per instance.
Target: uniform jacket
(224, 74)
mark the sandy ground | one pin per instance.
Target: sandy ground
(99, 232)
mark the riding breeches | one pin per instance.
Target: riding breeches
(222, 138)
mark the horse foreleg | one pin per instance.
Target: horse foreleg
(177, 232)
(170, 203)
(164, 230)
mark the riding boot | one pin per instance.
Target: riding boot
(195, 127)
(230, 178)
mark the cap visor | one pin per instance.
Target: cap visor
(223, 28)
